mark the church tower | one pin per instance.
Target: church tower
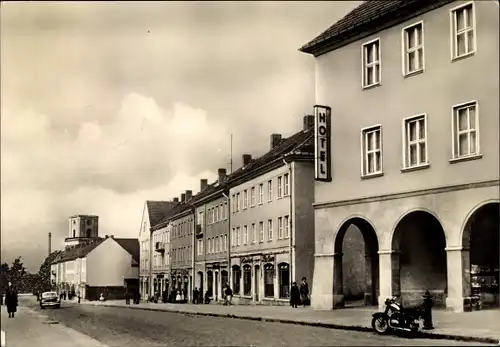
(82, 229)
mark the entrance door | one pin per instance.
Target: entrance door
(257, 282)
(216, 285)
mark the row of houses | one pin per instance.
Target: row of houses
(247, 229)
(402, 149)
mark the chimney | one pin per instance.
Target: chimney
(189, 195)
(175, 199)
(308, 122)
(106, 236)
(50, 243)
(203, 184)
(222, 175)
(183, 198)
(275, 140)
(247, 158)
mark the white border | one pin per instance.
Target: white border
(404, 133)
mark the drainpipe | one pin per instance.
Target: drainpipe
(228, 245)
(290, 219)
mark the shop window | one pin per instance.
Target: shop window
(269, 280)
(236, 279)
(284, 280)
(247, 280)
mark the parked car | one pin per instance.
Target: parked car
(50, 299)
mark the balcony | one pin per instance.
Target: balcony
(160, 247)
(198, 230)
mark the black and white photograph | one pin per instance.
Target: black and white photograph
(250, 173)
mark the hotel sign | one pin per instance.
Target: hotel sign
(322, 132)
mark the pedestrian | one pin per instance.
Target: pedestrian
(228, 295)
(11, 300)
(195, 296)
(200, 296)
(294, 295)
(207, 297)
(304, 292)
(127, 298)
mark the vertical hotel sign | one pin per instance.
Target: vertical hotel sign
(322, 141)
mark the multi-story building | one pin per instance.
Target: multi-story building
(181, 245)
(211, 236)
(272, 220)
(153, 212)
(89, 266)
(411, 158)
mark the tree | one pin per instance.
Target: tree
(4, 276)
(44, 274)
(17, 273)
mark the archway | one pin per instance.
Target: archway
(419, 264)
(200, 282)
(224, 279)
(356, 275)
(481, 239)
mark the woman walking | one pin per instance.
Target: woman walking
(304, 292)
(11, 300)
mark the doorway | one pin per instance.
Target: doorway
(257, 283)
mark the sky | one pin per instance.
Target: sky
(107, 104)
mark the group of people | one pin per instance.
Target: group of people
(300, 295)
(10, 300)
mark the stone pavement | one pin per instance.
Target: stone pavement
(479, 326)
(28, 329)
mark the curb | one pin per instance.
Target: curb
(421, 334)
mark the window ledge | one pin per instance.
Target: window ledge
(413, 73)
(415, 168)
(246, 296)
(371, 86)
(463, 56)
(267, 298)
(465, 158)
(373, 175)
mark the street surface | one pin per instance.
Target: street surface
(117, 327)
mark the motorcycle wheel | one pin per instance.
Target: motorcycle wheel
(380, 325)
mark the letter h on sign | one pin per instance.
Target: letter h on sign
(322, 141)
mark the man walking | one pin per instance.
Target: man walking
(304, 292)
(228, 295)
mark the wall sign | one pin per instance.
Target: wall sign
(322, 142)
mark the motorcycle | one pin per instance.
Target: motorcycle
(397, 318)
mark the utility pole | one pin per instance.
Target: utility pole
(50, 243)
(231, 155)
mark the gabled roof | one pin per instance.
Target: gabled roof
(76, 252)
(157, 210)
(176, 210)
(131, 246)
(299, 144)
(366, 19)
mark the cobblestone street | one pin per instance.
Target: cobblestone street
(118, 327)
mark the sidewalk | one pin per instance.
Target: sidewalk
(478, 326)
(29, 329)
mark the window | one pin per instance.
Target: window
(284, 280)
(245, 235)
(286, 184)
(233, 237)
(280, 228)
(216, 244)
(233, 199)
(372, 150)
(287, 227)
(221, 244)
(247, 280)
(245, 199)
(413, 48)
(213, 215)
(200, 218)
(280, 187)
(415, 141)
(238, 236)
(200, 247)
(371, 63)
(225, 210)
(236, 279)
(216, 214)
(261, 193)
(254, 233)
(463, 31)
(270, 230)
(269, 190)
(465, 130)
(261, 231)
(225, 242)
(238, 202)
(269, 280)
(252, 197)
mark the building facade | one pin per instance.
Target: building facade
(160, 264)
(413, 153)
(181, 244)
(153, 212)
(211, 237)
(272, 220)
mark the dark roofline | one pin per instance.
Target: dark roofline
(178, 212)
(326, 42)
(84, 215)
